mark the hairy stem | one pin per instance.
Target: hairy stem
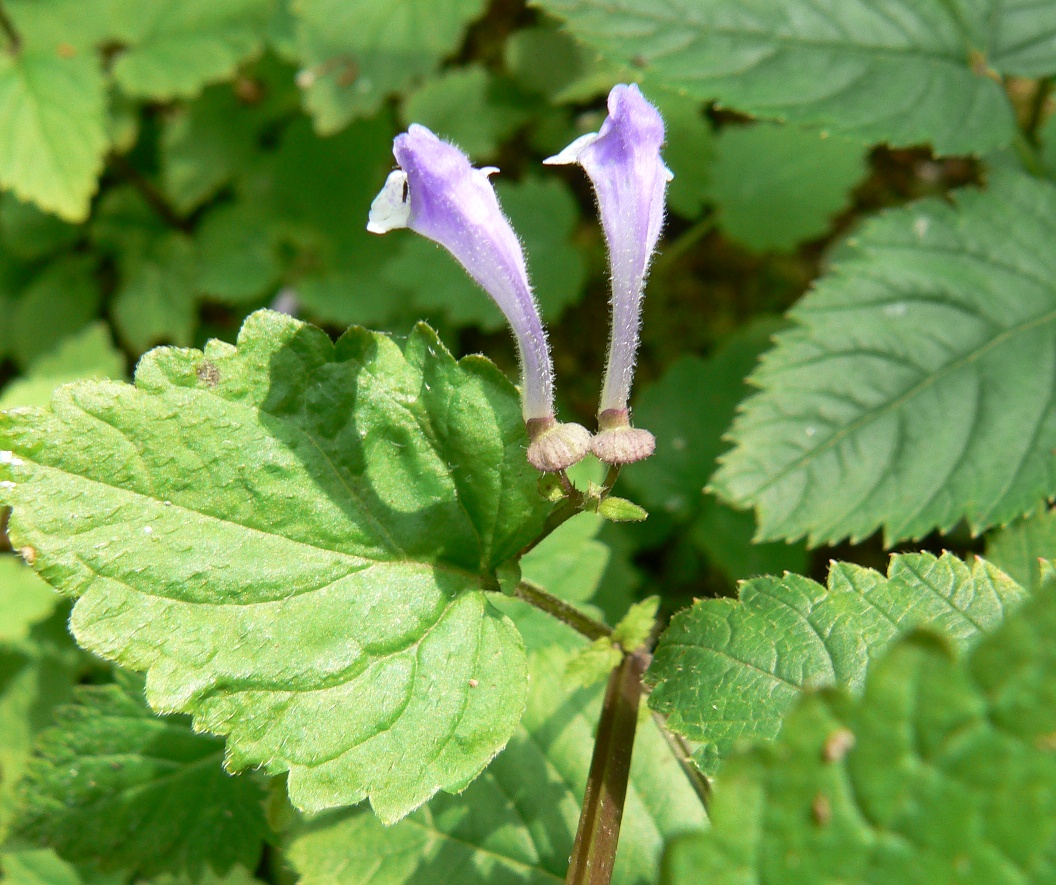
(154, 197)
(594, 851)
(535, 595)
(14, 40)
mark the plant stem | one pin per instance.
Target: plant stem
(594, 851)
(558, 515)
(535, 595)
(154, 197)
(8, 28)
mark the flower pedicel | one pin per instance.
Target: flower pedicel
(437, 193)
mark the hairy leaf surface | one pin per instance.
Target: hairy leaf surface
(517, 823)
(904, 72)
(147, 795)
(942, 771)
(292, 537)
(916, 389)
(730, 669)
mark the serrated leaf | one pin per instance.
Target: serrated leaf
(1019, 549)
(730, 669)
(387, 483)
(593, 663)
(516, 824)
(635, 627)
(89, 353)
(176, 47)
(904, 72)
(872, 410)
(114, 785)
(468, 106)
(942, 771)
(52, 130)
(59, 302)
(775, 186)
(25, 599)
(357, 52)
(544, 214)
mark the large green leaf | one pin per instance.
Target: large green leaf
(52, 129)
(516, 824)
(729, 669)
(176, 47)
(113, 784)
(357, 52)
(904, 71)
(875, 410)
(775, 186)
(293, 538)
(943, 771)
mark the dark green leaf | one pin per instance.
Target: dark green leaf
(730, 669)
(875, 410)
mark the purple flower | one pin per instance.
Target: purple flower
(630, 180)
(437, 193)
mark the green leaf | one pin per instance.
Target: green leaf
(515, 825)
(156, 301)
(543, 60)
(293, 538)
(688, 442)
(28, 233)
(873, 409)
(357, 52)
(621, 510)
(52, 130)
(637, 625)
(236, 255)
(942, 771)
(176, 47)
(88, 353)
(776, 186)
(593, 663)
(25, 599)
(544, 214)
(904, 73)
(37, 868)
(468, 106)
(60, 301)
(109, 764)
(689, 152)
(570, 562)
(36, 674)
(730, 669)
(1019, 549)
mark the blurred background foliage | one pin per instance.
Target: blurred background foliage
(168, 168)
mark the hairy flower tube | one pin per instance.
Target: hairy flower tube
(437, 193)
(630, 179)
